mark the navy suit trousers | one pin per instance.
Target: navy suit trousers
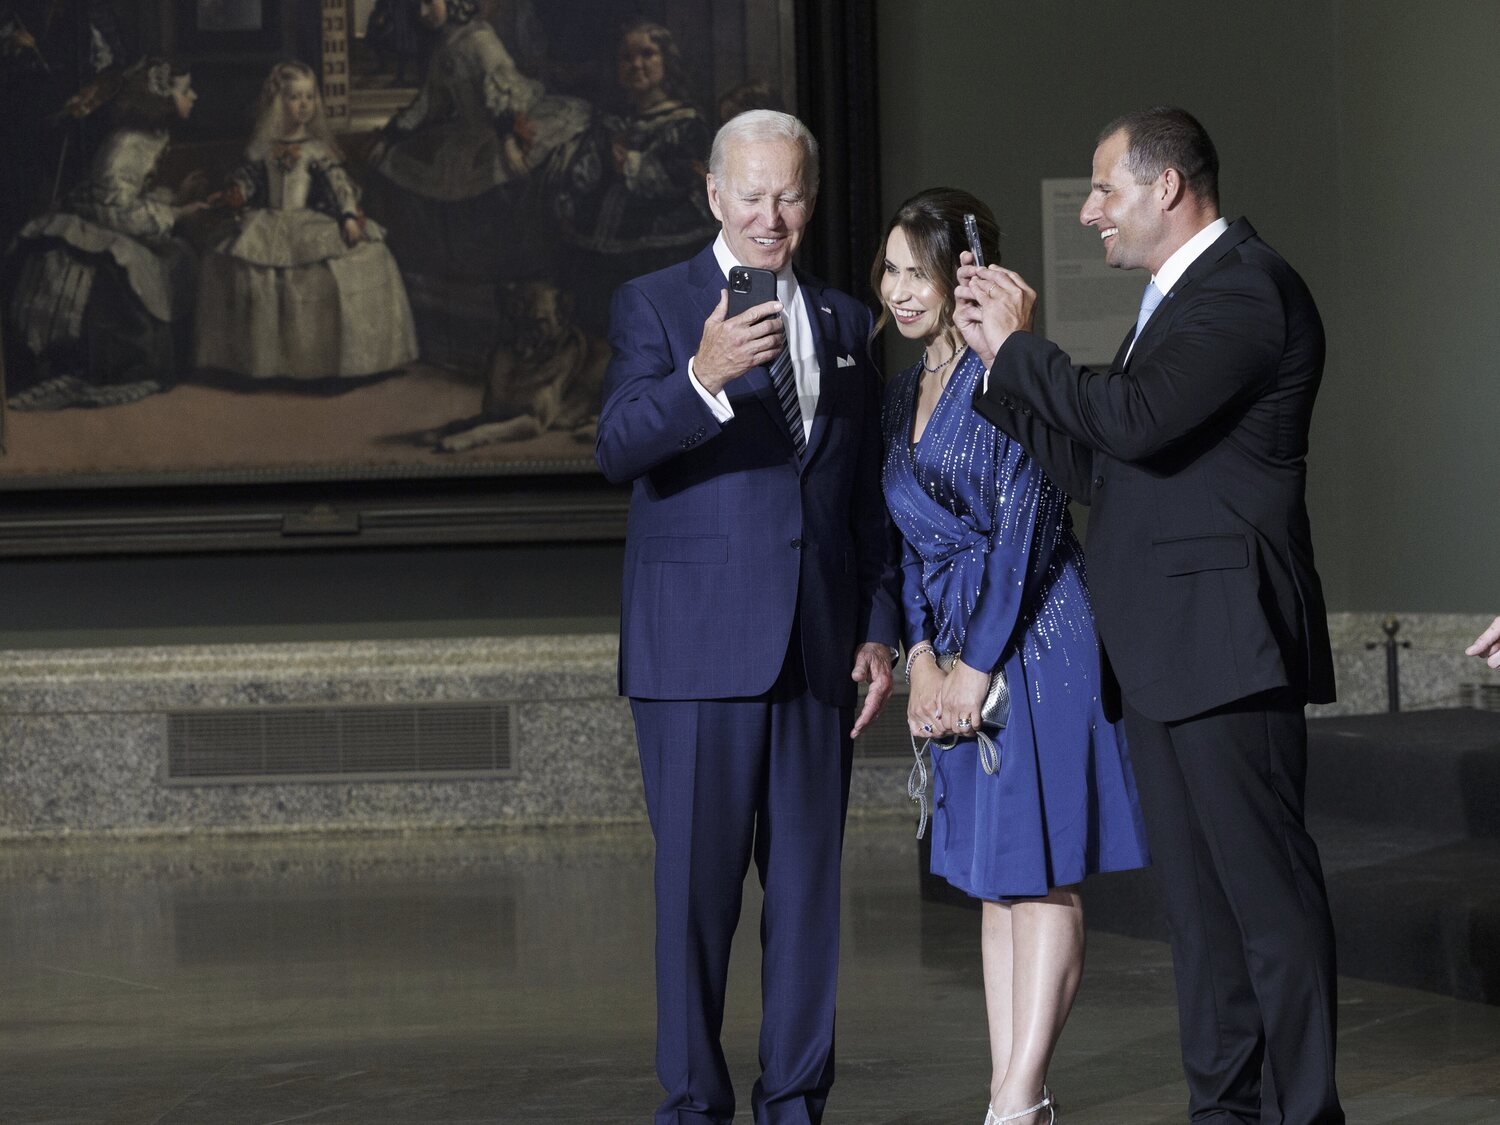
(727, 780)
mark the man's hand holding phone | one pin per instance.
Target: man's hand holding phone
(990, 302)
(971, 232)
(745, 330)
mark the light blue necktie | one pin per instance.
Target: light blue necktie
(1149, 300)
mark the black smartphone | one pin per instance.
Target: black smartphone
(971, 228)
(749, 287)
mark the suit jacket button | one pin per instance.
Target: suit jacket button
(1098, 482)
(796, 544)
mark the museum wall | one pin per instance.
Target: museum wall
(1359, 138)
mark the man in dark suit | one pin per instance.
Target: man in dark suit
(758, 591)
(1192, 447)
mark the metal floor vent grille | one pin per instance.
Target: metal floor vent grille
(340, 743)
(1484, 697)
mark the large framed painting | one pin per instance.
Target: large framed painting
(303, 272)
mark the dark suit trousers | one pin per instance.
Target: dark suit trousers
(726, 780)
(1252, 939)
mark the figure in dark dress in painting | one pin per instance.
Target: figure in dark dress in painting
(631, 198)
(100, 289)
(450, 175)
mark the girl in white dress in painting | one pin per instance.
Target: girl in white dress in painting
(303, 286)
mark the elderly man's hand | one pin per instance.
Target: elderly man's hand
(732, 346)
(872, 665)
(1487, 645)
(991, 303)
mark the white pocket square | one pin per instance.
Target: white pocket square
(846, 361)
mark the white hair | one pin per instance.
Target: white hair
(759, 125)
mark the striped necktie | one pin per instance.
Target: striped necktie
(786, 392)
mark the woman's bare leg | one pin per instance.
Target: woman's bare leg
(1046, 943)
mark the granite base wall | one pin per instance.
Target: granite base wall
(1433, 672)
(82, 732)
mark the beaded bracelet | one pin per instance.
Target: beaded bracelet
(922, 649)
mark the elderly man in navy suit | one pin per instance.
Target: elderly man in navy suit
(758, 592)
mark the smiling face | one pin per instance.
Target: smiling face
(916, 301)
(1129, 216)
(299, 101)
(762, 202)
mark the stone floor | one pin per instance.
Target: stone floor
(479, 978)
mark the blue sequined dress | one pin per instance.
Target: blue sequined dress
(991, 569)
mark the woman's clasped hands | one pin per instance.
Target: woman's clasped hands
(942, 704)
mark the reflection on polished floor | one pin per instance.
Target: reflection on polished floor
(506, 977)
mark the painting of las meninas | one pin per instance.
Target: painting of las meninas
(382, 247)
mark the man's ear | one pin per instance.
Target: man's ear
(1172, 188)
(713, 197)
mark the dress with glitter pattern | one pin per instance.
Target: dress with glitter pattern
(991, 569)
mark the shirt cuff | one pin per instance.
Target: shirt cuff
(718, 403)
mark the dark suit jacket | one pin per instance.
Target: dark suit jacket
(1192, 456)
(730, 534)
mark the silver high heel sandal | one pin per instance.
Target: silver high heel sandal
(992, 1118)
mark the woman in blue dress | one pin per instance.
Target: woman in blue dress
(992, 574)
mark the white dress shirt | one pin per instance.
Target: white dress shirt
(799, 340)
(1185, 255)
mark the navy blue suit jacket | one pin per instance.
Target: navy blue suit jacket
(731, 534)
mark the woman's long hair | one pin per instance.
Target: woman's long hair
(268, 115)
(933, 222)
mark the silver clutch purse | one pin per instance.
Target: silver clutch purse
(996, 710)
(993, 716)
